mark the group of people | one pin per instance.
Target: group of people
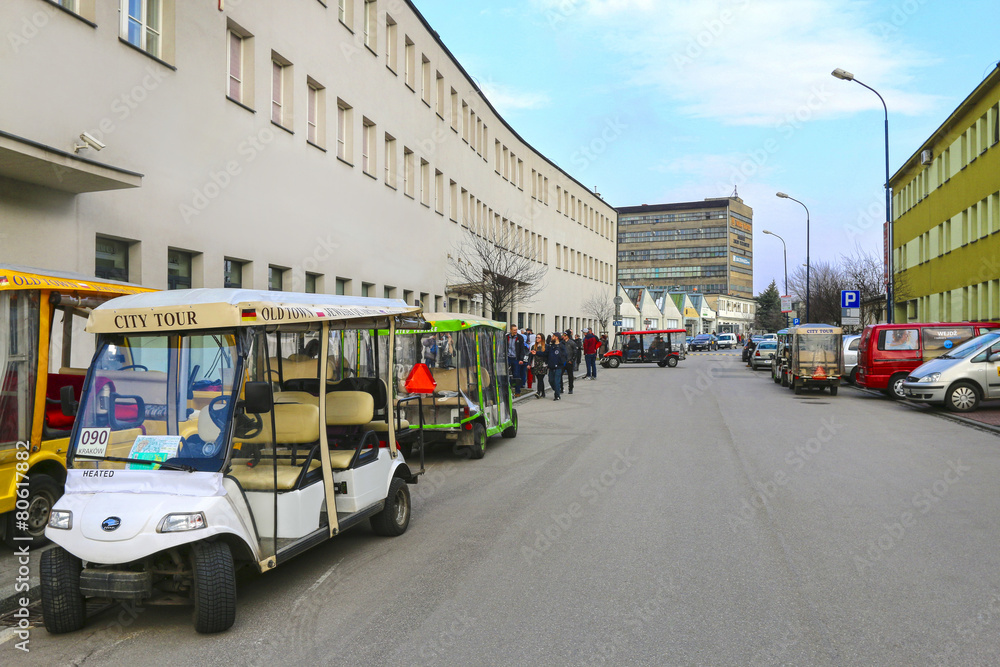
(534, 357)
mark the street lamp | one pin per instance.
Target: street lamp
(847, 76)
(784, 252)
(784, 196)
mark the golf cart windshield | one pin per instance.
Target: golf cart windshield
(152, 398)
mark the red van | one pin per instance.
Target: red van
(888, 352)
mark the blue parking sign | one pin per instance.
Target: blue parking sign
(796, 321)
(850, 298)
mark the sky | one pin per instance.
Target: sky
(658, 101)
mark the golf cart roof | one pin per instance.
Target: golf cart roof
(816, 329)
(176, 310)
(14, 277)
(459, 321)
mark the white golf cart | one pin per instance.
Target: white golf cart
(222, 427)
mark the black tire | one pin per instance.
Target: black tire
(478, 446)
(853, 377)
(784, 379)
(63, 607)
(895, 388)
(962, 397)
(214, 589)
(833, 390)
(672, 362)
(614, 362)
(43, 492)
(797, 388)
(511, 431)
(395, 516)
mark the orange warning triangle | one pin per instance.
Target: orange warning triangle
(420, 380)
(820, 372)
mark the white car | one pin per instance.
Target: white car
(960, 378)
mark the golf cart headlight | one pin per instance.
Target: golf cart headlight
(177, 522)
(61, 519)
(932, 377)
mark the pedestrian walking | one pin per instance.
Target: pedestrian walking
(517, 355)
(605, 345)
(555, 353)
(529, 338)
(579, 352)
(539, 364)
(571, 355)
(591, 344)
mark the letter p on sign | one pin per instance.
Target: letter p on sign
(850, 298)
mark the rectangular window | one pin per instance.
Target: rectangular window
(111, 259)
(344, 123)
(141, 22)
(438, 191)
(465, 122)
(388, 292)
(410, 58)
(341, 286)
(371, 24)
(232, 270)
(368, 134)
(390, 43)
(235, 66)
(425, 79)
(408, 296)
(390, 160)
(178, 269)
(312, 282)
(345, 12)
(408, 167)
(366, 289)
(454, 201)
(315, 113)
(425, 182)
(275, 278)
(454, 109)
(439, 103)
(281, 91)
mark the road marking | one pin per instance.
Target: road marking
(318, 583)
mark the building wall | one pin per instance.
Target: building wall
(704, 247)
(947, 217)
(222, 181)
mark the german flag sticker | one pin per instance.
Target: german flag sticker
(249, 314)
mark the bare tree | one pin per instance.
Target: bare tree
(864, 271)
(826, 280)
(600, 305)
(498, 264)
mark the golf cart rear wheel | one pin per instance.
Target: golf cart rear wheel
(672, 362)
(214, 589)
(614, 362)
(511, 431)
(43, 492)
(833, 390)
(478, 447)
(63, 607)
(394, 518)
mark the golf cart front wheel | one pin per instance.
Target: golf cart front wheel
(394, 518)
(214, 589)
(672, 362)
(614, 362)
(63, 606)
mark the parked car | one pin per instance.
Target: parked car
(851, 343)
(888, 353)
(727, 341)
(961, 378)
(763, 355)
(704, 342)
(748, 346)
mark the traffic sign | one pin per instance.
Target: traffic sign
(617, 323)
(850, 298)
(796, 322)
(786, 304)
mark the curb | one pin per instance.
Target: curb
(10, 603)
(931, 410)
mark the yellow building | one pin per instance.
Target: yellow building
(946, 205)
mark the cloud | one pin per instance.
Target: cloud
(756, 62)
(506, 98)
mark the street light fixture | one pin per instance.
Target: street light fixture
(784, 196)
(784, 252)
(844, 75)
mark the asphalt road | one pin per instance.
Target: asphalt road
(695, 515)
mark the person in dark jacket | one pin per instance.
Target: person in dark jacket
(572, 353)
(517, 358)
(538, 360)
(555, 353)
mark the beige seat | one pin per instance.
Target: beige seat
(261, 476)
(295, 424)
(349, 408)
(303, 397)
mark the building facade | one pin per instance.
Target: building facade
(334, 147)
(733, 314)
(946, 217)
(703, 247)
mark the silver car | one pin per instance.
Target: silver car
(850, 371)
(764, 354)
(960, 378)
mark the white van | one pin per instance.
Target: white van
(727, 341)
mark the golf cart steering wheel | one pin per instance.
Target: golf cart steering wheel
(139, 366)
(247, 426)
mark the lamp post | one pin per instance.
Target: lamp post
(784, 196)
(847, 76)
(784, 252)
